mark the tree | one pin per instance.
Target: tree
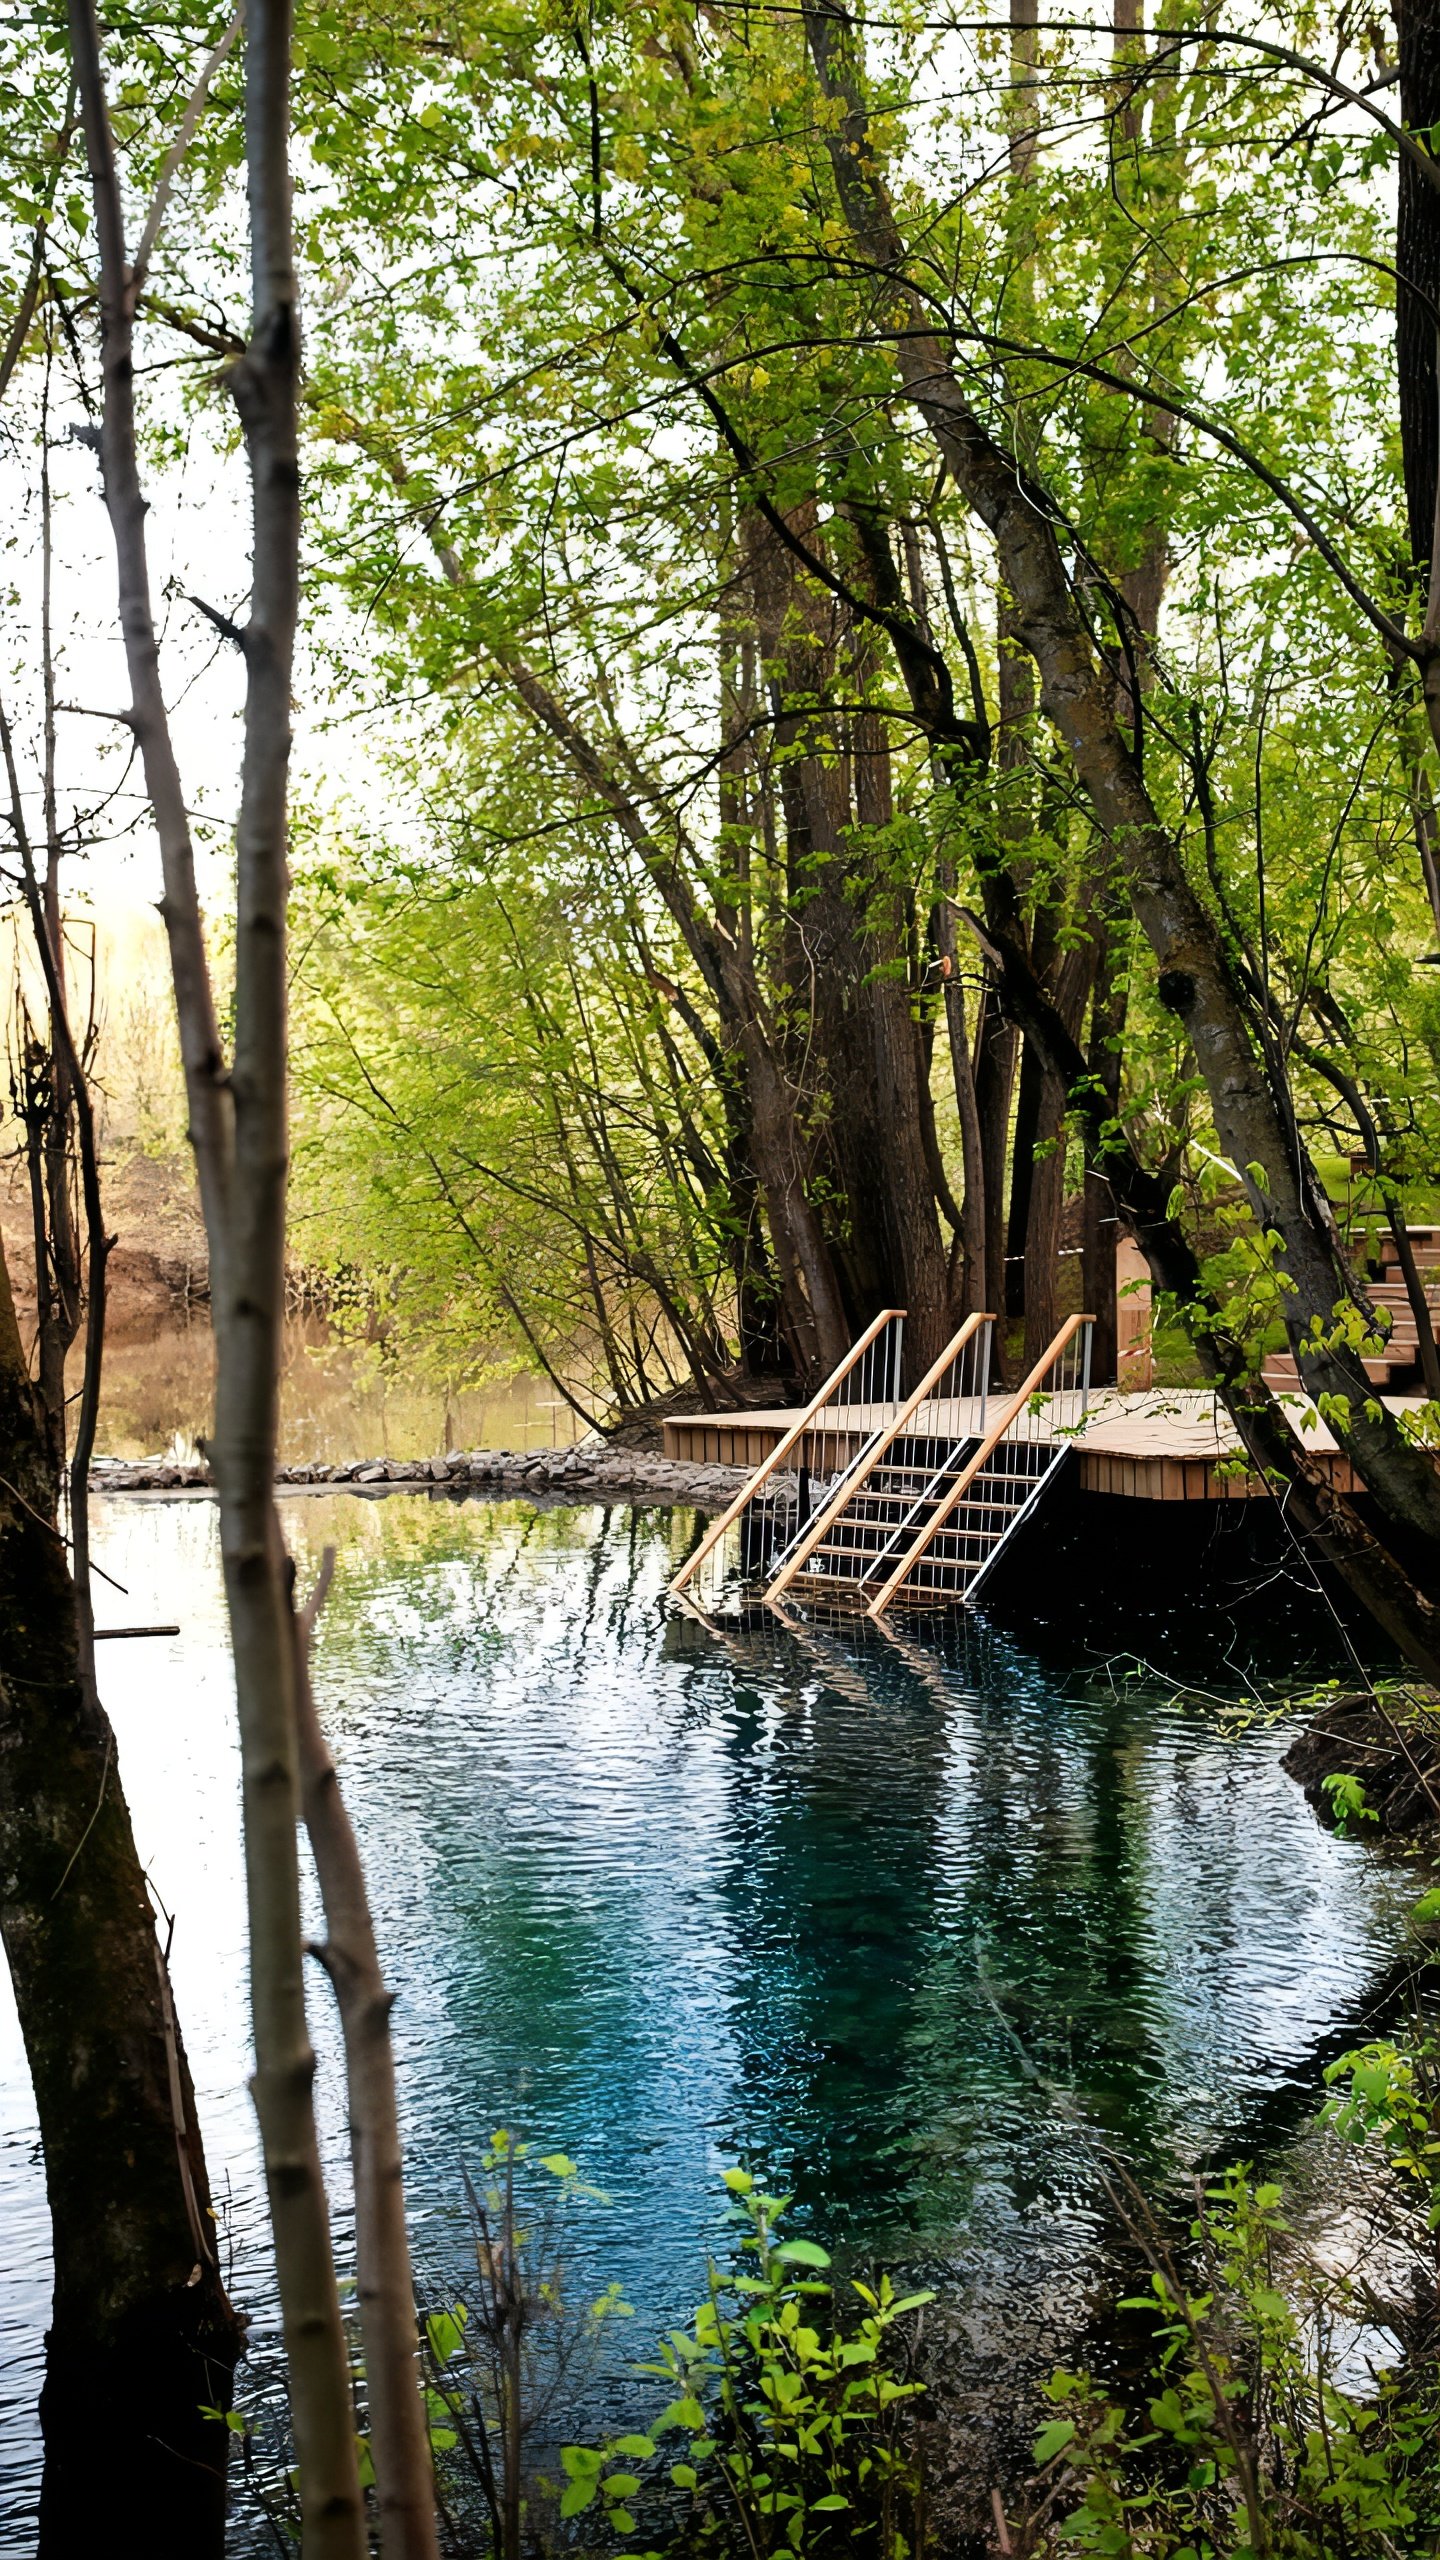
(238, 1116)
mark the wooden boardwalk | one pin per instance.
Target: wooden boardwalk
(1167, 1444)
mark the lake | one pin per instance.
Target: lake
(907, 1922)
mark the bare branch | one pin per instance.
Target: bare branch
(194, 109)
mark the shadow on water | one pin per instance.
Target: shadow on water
(911, 1921)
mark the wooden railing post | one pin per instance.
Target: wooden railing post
(783, 1447)
(853, 1479)
(1009, 1413)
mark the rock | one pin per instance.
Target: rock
(588, 1472)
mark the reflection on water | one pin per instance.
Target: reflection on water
(337, 1401)
(904, 1923)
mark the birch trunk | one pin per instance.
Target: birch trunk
(238, 1129)
(399, 2439)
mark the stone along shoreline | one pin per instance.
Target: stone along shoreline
(583, 1474)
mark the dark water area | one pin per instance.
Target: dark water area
(911, 1922)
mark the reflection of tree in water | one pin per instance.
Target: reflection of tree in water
(908, 1917)
(935, 1915)
(1001, 1916)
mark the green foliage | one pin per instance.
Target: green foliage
(1390, 2093)
(1286, 2407)
(498, 1119)
(580, 304)
(1246, 2441)
(795, 2416)
(1346, 1795)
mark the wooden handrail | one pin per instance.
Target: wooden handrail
(782, 1449)
(989, 1444)
(851, 1482)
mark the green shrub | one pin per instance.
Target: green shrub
(1287, 2411)
(788, 2423)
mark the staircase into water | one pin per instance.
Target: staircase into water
(909, 1501)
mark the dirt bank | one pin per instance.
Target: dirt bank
(1392, 1747)
(158, 1268)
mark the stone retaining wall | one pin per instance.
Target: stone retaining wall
(582, 1474)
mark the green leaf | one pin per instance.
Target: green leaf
(558, 2165)
(445, 2331)
(1053, 2439)
(801, 2253)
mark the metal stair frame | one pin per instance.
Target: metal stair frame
(929, 1494)
(788, 1441)
(1013, 1527)
(863, 1466)
(998, 1432)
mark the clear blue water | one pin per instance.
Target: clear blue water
(907, 1924)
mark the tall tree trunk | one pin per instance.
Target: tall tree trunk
(1417, 360)
(1022, 1177)
(1101, 1227)
(142, 2336)
(238, 1129)
(847, 948)
(916, 1256)
(1417, 262)
(1067, 981)
(971, 1300)
(1042, 1225)
(1195, 981)
(995, 1046)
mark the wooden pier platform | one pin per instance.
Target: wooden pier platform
(1166, 1444)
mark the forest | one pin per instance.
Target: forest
(770, 665)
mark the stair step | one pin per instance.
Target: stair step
(867, 1528)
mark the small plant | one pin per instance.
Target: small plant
(504, 2369)
(789, 2429)
(1287, 2412)
(1347, 1799)
(1248, 2444)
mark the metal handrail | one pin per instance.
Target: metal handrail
(782, 1448)
(870, 1458)
(1009, 1414)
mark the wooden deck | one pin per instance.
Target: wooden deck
(1167, 1444)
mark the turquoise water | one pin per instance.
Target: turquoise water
(908, 1924)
